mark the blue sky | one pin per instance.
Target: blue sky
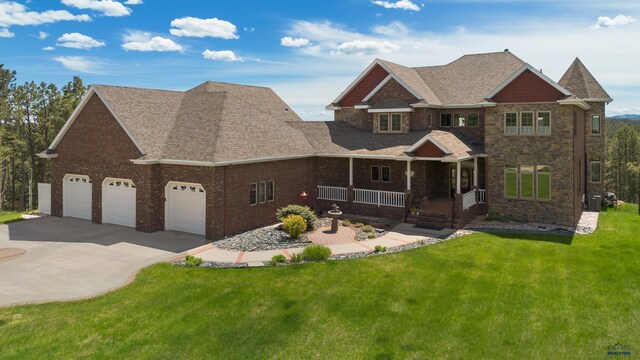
(309, 51)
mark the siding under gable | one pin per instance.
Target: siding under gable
(96, 134)
(364, 87)
(528, 88)
(429, 149)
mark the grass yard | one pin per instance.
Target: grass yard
(478, 297)
(8, 216)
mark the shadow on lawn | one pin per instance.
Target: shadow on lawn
(552, 238)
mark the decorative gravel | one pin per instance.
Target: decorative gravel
(266, 238)
(217, 265)
(587, 225)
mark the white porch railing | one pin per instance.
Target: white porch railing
(482, 193)
(379, 198)
(469, 199)
(332, 193)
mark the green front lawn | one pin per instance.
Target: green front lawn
(478, 297)
(8, 216)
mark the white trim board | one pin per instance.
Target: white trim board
(92, 90)
(519, 72)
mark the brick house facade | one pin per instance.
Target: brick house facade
(405, 144)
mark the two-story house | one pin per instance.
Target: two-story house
(431, 145)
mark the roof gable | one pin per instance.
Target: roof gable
(532, 70)
(429, 149)
(78, 110)
(528, 87)
(579, 80)
(362, 85)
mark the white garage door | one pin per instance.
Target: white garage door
(76, 197)
(185, 207)
(119, 202)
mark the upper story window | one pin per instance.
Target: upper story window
(445, 120)
(544, 122)
(511, 123)
(526, 122)
(595, 124)
(462, 120)
(595, 171)
(429, 120)
(390, 122)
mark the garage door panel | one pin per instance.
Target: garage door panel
(185, 210)
(119, 202)
(77, 198)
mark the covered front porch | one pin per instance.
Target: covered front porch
(430, 192)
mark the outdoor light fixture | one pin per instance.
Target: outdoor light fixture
(303, 195)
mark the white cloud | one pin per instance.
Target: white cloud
(78, 41)
(222, 55)
(42, 35)
(12, 13)
(395, 28)
(106, 7)
(143, 41)
(368, 47)
(78, 63)
(5, 33)
(288, 41)
(48, 48)
(133, 2)
(402, 4)
(620, 20)
(195, 27)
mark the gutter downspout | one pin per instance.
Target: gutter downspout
(224, 202)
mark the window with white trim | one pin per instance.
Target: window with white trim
(396, 122)
(511, 181)
(271, 190)
(386, 173)
(511, 123)
(445, 120)
(390, 122)
(543, 182)
(527, 182)
(375, 173)
(595, 168)
(459, 120)
(383, 122)
(595, 125)
(526, 122)
(253, 194)
(429, 120)
(262, 193)
(473, 119)
(544, 122)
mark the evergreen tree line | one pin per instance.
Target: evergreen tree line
(623, 159)
(30, 117)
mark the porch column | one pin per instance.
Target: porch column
(475, 172)
(408, 174)
(350, 171)
(458, 177)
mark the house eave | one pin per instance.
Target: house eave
(454, 106)
(397, 110)
(577, 102)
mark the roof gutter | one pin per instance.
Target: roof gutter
(577, 102)
(454, 106)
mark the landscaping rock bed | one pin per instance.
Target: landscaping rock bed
(587, 225)
(211, 264)
(266, 238)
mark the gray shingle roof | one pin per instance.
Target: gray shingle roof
(457, 144)
(467, 80)
(581, 83)
(212, 122)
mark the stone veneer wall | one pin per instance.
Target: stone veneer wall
(595, 145)
(555, 150)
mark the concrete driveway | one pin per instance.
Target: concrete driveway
(69, 258)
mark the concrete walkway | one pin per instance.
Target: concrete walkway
(401, 234)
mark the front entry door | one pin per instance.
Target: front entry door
(465, 181)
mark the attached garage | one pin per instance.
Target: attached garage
(119, 202)
(185, 207)
(76, 196)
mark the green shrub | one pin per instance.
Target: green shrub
(367, 228)
(359, 225)
(380, 248)
(307, 214)
(192, 261)
(346, 223)
(371, 236)
(277, 259)
(296, 257)
(294, 225)
(316, 253)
